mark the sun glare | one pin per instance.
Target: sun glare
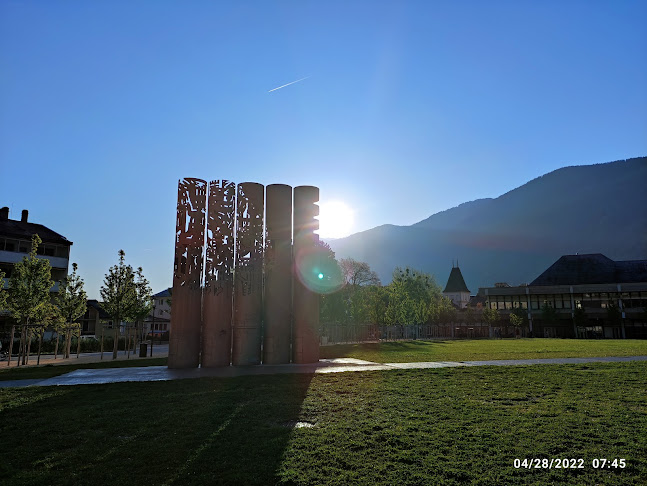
(335, 220)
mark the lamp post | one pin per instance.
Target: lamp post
(152, 330)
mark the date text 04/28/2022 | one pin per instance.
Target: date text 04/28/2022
(563, 463)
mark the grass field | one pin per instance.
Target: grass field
(483, 349)
(50, 370)
(443, 426)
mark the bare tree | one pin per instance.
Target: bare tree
(358, 273)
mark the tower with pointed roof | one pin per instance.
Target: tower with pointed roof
(456, 290)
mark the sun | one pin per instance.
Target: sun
(335, 220)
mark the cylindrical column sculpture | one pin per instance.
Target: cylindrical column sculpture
(305, 336)
(218, 278)
(248, 278)
(278, 274)
(184, 344)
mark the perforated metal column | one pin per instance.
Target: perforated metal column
(217, 299)
(184, 344)
(248, 278)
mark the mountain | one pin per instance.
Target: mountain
(513, 238)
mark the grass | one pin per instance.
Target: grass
(51, 370)
(485, 349)
(435, 426)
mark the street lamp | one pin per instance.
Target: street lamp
(152, 329)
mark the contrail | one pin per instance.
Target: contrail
(288, 84)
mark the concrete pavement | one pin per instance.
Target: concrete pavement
(339, 365)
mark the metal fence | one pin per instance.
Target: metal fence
(362, 333)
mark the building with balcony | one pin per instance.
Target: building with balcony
(15, 244)
(586, 296)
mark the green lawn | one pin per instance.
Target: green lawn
(50, 370)
(483, 349)
(445, 426)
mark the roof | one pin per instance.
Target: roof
(96, 305)
(24, 230)
(456, 283)
(164, 293)
(592, 269)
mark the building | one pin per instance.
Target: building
(94, 319)
(159, 318)
(583, 296)
(15, 243)
(456, 290)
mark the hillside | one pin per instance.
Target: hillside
(599, 208)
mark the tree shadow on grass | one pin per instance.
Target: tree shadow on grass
(197, 431)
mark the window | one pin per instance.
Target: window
(534, 302)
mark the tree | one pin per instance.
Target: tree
(119, 294)
(357, 273)
(614, 315)
(51, 317)
(491, 316)
(3, 293)
(548, 314)
(411, 294)
(516, 320)
(29, 285)
(71, 302)
(143, 298)
(519, 317)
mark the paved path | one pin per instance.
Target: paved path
(162, 373)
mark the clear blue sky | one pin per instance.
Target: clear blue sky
(410, 108)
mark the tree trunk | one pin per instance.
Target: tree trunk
(13, 330)
(68, 344)
(101, 341)
(127, 343)
(22, 343)
(28, 344)
(115, 348)
(78, 342)
(56, 345)
(40, 345)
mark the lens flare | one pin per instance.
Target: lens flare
(318, 271)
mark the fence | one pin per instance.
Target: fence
(332, 333)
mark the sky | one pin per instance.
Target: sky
(408, 108)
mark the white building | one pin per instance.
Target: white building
(456, 290)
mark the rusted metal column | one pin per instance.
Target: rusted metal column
(218, 278)
(248, 277)
(305, 337)
(278, 274)
(184, 344)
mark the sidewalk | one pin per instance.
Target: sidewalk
(339, 365)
